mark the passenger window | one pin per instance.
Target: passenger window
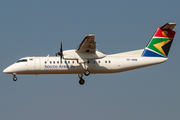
(57, 62)
(54, 62)
(94, 61)
(105, 61)
(68, 61)
(45, 62)
(72, 62)
(61, 61)
(109, 61)
(50, 62)
(99, 61)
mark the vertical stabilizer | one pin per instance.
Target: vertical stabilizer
(160, 43)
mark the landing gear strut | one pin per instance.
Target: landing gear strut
(86, 72)
(85, 66)
(81, 81)
(14, 77)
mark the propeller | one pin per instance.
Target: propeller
(60, 53)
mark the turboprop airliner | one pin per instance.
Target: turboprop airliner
(86, 59)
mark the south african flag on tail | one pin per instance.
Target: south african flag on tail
(161, 41)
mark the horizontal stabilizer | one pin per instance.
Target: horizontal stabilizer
(168, 26)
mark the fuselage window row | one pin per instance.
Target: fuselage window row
(54, 62)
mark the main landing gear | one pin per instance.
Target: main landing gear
(14, 77)
(85, 66)
(86, 72)
(81, 81)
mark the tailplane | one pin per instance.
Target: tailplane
(160, 43)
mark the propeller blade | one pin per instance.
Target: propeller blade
(61, 48)
(60, 53)
(60, 59)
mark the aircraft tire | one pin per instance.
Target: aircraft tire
(86, 72)
(81, 81)
(15, 78)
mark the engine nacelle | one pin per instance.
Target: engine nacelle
(73, 55)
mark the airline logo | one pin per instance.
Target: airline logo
(160, 44)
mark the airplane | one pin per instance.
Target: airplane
(86, 59)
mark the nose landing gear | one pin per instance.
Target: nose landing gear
(14, 77)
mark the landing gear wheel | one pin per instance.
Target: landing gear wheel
(81, 81)
(86, 72)
(15, 78)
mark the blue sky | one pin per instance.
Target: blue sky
(36, 28)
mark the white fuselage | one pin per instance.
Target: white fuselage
(110, 64)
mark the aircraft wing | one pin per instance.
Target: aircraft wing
(88, 45)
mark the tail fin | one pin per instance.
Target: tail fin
(161, 41)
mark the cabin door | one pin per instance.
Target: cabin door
(37, 64)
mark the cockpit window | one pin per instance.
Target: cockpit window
(23, 60)
(18, 61)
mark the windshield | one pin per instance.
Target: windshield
(23, 60)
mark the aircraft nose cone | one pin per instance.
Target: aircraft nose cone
(5, 70)
(8, 70)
